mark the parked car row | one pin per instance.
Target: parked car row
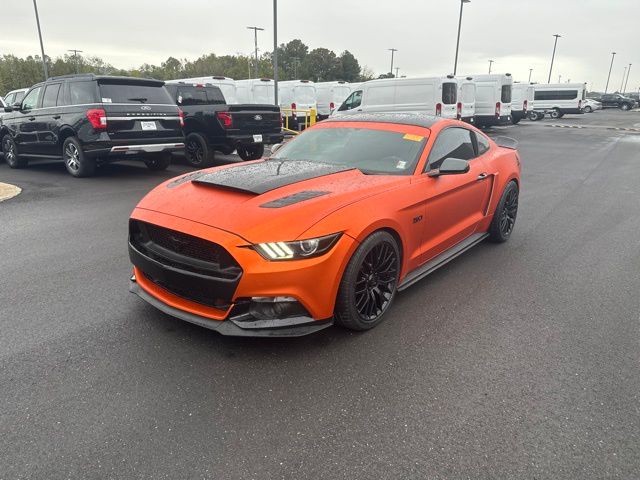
(89, 120)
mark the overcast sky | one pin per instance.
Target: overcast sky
(516, 34)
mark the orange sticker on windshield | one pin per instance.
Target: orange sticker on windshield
(413, 138)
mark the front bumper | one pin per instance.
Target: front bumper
(312, 282)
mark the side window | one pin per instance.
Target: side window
(81, 93)
(449, 93)
(10, 99)
(50, 97)
(354, 101)
(31, 100)
(19, 96)
(451, 143)
(483, 143)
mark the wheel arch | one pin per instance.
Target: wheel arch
(65, 132)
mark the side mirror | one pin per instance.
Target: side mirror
(8, 109)
(276, 147)
(451, 166)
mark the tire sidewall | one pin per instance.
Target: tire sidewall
(16, 161)
(496, 235)
(196, 137)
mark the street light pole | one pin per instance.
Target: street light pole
(255, 37)
(275, 51)
(44, 61)
(455, 63)
(530, 71)
(627, 81)
(624, 75)
(397, 69)
(75, 57)
(613, 55)
(490, 63)
(392, 50)
(553, 55)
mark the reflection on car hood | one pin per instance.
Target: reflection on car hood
(280, 213)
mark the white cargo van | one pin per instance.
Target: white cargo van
(433, 96)
(330, 96)
(226, 84)
(556, 99)
(466, 99)
(493, 99)
(521, 101)
(297, 95)
(256, 91)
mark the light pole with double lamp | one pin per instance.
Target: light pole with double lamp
(392, 50)
(255, 37)
(455, 62)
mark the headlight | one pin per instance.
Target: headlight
(297, 249)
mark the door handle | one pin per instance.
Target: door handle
(482, 176)
(32, 118)
(56, 117)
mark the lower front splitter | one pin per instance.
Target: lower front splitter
(296, 327)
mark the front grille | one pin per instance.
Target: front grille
(187, 266)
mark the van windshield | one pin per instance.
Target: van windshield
(374, 152)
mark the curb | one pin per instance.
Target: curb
(8, 191)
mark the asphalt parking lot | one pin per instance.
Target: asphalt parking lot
(514, 361)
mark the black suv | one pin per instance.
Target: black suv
(88, 120)
(615, 100)
(210, 124)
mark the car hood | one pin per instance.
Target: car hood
(266, 200)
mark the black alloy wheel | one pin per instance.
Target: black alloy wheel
(504, 218)
(10, 151)
(369, 283)
(197, 152)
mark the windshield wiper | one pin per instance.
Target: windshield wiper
(138, 99)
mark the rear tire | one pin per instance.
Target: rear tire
(251, 152)
(197, 151)
(555, 113)
(158, 162)
(11, 154)
(76, 162)
(625, 107)
(504, 218)
(369, 283)
(588, 109)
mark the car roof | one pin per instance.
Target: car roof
(402, 118)
(112, 78)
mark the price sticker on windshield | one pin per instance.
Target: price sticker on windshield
(413, 138)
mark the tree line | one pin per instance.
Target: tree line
(295, 61)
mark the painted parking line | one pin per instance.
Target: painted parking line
(8, 191)
(566, 126)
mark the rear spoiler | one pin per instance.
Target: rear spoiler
(506, 142)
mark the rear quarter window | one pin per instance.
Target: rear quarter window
(81, 93)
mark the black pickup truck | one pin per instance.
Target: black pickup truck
(210, 124)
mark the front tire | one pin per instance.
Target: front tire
(555, 113)
(504, 218)
(251, 152)
(625, 107)
(11, 154)
(77, 164)
(158, 162)
(197, 151)
(369, 283)
(588, 109)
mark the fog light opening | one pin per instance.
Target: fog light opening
(271, 308)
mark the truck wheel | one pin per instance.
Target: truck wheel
(252, 152)
(197, 151)
(555, 113)
(77, 164)
(11, 155)
(625, 107)
(158, 162)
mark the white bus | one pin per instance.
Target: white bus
(557, 99)
(226, 84)
(521, 101)
(330, 95)
(493, 99)
(432, 95)
(256, 91)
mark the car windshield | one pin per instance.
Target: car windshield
(371, 151)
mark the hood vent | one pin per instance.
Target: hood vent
(293, 199)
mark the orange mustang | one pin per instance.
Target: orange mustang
(325, 230)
